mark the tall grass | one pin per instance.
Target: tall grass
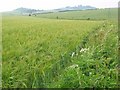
(39, 53)
(96, 63)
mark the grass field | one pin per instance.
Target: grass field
(99, 14)
(57, 53)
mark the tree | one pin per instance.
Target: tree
(29, 14)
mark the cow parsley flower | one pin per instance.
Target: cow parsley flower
(84, 49)
(73, 54)
(74, 66)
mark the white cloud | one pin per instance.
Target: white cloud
(7, 5)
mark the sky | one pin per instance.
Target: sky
(9, 5)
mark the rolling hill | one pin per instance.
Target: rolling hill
(26, 11)
(98, 14)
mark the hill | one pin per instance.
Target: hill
(98, 14)
(21, 11)
(79, 7)
(26, 10)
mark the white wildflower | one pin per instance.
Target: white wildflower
(73, 54)
(90, 73)
(84, 49)
(74, 66)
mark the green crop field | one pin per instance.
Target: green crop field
(99, 14)
(58, 53)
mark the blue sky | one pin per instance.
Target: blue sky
(8, 5)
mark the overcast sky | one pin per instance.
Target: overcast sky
(8, 5)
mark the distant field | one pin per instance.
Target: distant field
(99, 14)
(58, 53)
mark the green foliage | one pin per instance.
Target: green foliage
(47, 53)
(97, 65)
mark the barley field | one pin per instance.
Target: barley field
(58, 53)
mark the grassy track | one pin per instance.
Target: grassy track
(95, 64)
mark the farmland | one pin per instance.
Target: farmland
(99, 14)
(40, 52)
